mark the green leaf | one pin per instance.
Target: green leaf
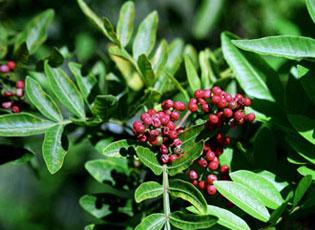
(311, 8)
(23, 124)
(53, 152)
(159, 59)
(247, 77)
(276, 214)
(305, 126)
(192, 76)
(287, 46)
(264, 190)
(43, 102)
(146, 36)
(226, 218)
(303, 170)
(301, 189)
(192, 53)
(206, 18)
(244, 198)
(183, 220)
(192, 150)
(304, 148)
(175, 50)
(35, 31)
(177, 85)
(126, 22)
(307, 81)
(146, 70)
(104, 105)
(148, 158)
(101, 169)
(272, 178)
(111, 31)
(55, 58)
(186, 191)
(97, 21)
(154, 221)
(85, 84)
(65, 90)
(148, 190)
(207, 73)
(114, 148)
(91, 204)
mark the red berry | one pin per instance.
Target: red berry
(207, 93)
(215, 99)
(164, 158)
(144, 116)
(156, 122)
(224, 169)
(202, 185)
(238, 115)
(15, 109)
(11, 65)
(202, 163)
(213, 119)
(250, 117)
(173, 134)
(4, 69)
(172, 158)
(233, 105)
(222, 103)
(211, 190)
(20, 84)
(227, 112)
(228, 98)
(195, 182)
(193, 175)
(138, 127)
(147, 120)
(213, 165)
(175, 116)
(227, 140)
(192, 105)
(199, 93)
(8, 94)
(210, 155)
(7, 105)
(165, 119)
(167, 104)
(154, 133)
(211, 178)
(163, 149)
(177, 142)
(247, 101)
(142, 138)
(180, 106)
(151, 112)
(171, 125)
(205, 108)
(218, 151)
(216, 90)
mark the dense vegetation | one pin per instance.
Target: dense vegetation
(157, 114)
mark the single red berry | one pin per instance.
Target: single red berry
(211, 178)
(210, 155)
(216, 90)
(216, 160)
(238, 115)
(156, 122)
(167, 104)
(164, 158)
(250, 117)
(156, 141)
(195, 182)
(207, 93)
(238, 97)
(154, 133)
(213, 119)
(171, 125)
(227, 112)
(213, 165)
(144, 116)
(224, 169)
(215, 99)
(163, 149)
(20, 84)
(221, 104)
(142, 138)
(227, 140)
(228, 97)
(192, 105)
(147, 120)
(211, 190)
(193, 175)
(247, 101)
(7, 104)
(11, 65)
(199, 93)
(202, 163)
(15, 109)
(205, 108)
(8, 94)
(175, 116)
(206, 147)
(151, 112)
(138, 127)
(165, 119)
(202, 185)
(172, 158)
(219, 137)
(173, 134)
(180, 106)
(232, 105)
(177, 142)
(4, 69)
(218, 151)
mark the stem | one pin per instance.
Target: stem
(183, 120)
(166, 198)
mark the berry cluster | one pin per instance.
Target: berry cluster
(12, 98)
(158, 129)
(8, 67)
(223, 112)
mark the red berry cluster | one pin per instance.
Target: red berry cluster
(158, 129)
(221, 107)
(12, 97)
(8, 67)
(223, 111)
